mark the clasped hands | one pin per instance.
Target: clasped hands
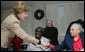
(46, 45)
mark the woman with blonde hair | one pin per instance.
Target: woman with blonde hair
(11, 26)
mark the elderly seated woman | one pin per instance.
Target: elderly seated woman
(73, 41)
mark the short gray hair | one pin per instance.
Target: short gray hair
(49, 20)
(79, 27)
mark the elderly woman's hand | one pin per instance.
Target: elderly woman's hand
(82, 49)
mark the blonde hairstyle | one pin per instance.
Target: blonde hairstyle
(20, 7)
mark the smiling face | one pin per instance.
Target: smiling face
(38, 33)
(49, 24)
(74, 31)
(22, 15)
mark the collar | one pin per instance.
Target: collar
(77, 39)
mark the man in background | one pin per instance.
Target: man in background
(51, 32)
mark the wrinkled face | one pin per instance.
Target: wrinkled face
(74, 30)
(38, 34)
(49, 24)
(23, 15)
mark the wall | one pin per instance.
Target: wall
(35, 22)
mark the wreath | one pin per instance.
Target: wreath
(39, 14)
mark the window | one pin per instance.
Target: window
(81, 9)
(60, 11)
